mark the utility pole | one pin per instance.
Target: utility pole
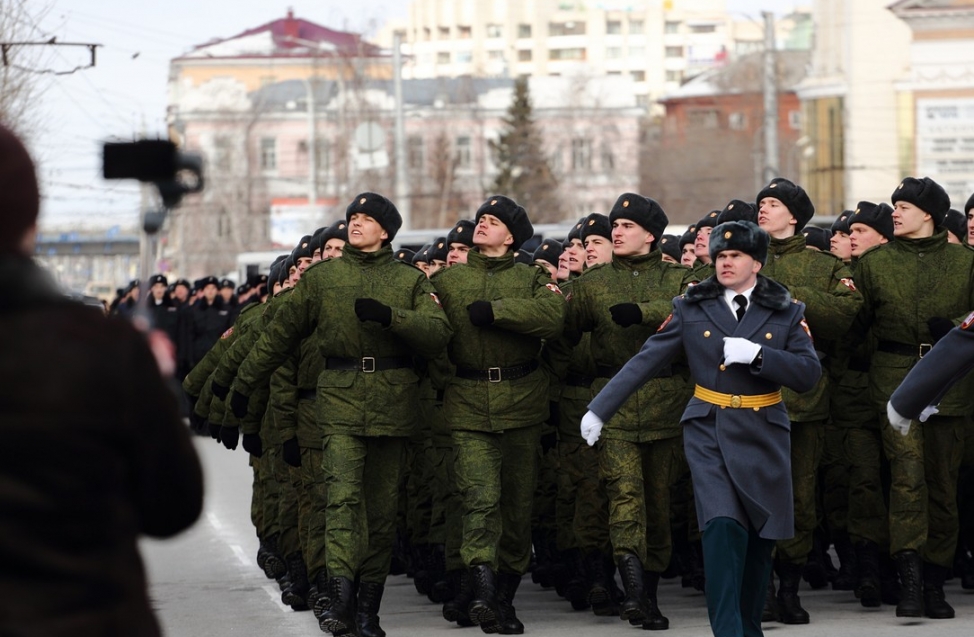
(402, 186)
(770, 101)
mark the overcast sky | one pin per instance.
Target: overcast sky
(125, 93)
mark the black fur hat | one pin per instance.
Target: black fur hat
(549, 250)
(439, 249)
(670, 244)
(737, 210)
(158, 278)
(228, 283)
(690, 236)
(969, 204)
(744, 236)
(316, 239)
(576, 231)
(597, 224)
(841, 223)
(793, 196)
(380, 209)
(925, 194)
(879, 217)
(523, 256)
(208, 280)
(511, 215)
(274, 276)
(405, 255)
(643, 210)
(709, 220)
(462, 232)
(956, 223)
(337, 230)
(303, 249)
(422, 255)
(818, 237)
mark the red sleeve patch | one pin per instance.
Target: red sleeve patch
(227, 334)
(435, 298)
(968, 321)
(553, 288)
(804, 325)
(848, 283)
(663, 325)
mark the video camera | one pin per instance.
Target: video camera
(173, 172)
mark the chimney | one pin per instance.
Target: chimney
(290, 25)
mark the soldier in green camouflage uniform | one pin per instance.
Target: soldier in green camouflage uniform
(824, 284)
(622, 303)
(495, 404)
(704, 267)
(370, 315)
(915, 289)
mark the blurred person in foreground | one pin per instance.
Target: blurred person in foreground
(94, 453)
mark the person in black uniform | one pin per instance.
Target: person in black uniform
(164, 313)
(205, 322)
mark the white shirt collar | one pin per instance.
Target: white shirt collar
(729, 295)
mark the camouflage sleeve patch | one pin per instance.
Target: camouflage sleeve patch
(968, 321)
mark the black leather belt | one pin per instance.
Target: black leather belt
(307, 394)
(904, 349)
(608, 371)
(578, 380)
(497, 374)
(368, 364)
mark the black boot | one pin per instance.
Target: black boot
(507, 584)
(935, 605)
(261, 552)
(274, 565)
(541, 574)
(367, 611)
(635, 606)
(436, 568)
(814, 571)
(323, 601)
(770, 613)
(483, 606)
(867, 587)
(889, 583)
(338, 619)
(576, 591)
(790, 609)
(845, 579)
(455, 609)
(296, 593)
(600, 592)
(909, 565)
(654, 619)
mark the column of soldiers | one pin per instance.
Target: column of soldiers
(423, 412)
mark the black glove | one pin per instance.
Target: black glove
(626, 314)
(481, 313)
(219, 390)
(939, 326)
(372, 310)
(291, 452)
(251, 444)
(229, 436)
(215, 431)
(196, 422)
(549, 441)
(238, 404)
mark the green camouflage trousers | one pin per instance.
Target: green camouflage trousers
(313, 481)
(637, 478)
(583, 506)
(496, 475)
(868, 517)
(834, 478)
(418, 494)
(287, 503)
(807, 441)
(545, 494)
(256, 499)
(270, 495)
(362, 477)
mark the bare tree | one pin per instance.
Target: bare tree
(21, 76)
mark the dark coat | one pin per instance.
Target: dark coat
(740, 459)
(93, 455)
(167, 317)
(205, 323)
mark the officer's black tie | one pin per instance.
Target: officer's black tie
(741, 301)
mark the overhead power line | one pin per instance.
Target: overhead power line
(5, 48)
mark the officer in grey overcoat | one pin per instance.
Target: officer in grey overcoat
(744, 337)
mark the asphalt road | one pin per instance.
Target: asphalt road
(206, 582)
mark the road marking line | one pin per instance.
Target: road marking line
(214, 521)
(276, 596)
(239, 552)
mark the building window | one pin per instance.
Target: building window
(323, 155)
(443, 32)
(222, 223)
(414, 152)
(608, 158)
(524, 30)
(637, 51)
(613, 52)
(703, 28)
(671, 27)
(426, 34)
(581, 153)
(222, 148)
(464, 57)
(443, 57)
(566, 28)
(268, 153)
(638, 76)
(674, 51)
(674, 76)
(495, 31)
(524, 55)
(702, 118)
(795, 120)
(465, 32)
(567, 54)
(613, 27)
(495, 55)
(737, 121)
(462, 152)
(636, 27)
(642, 101)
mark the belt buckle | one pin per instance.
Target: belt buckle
(368, 364)
(925, 349)
(735, 401)
(494, 374)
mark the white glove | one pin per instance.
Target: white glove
(740, 350)
(591, 428)
(896, 421)
(928, 411)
